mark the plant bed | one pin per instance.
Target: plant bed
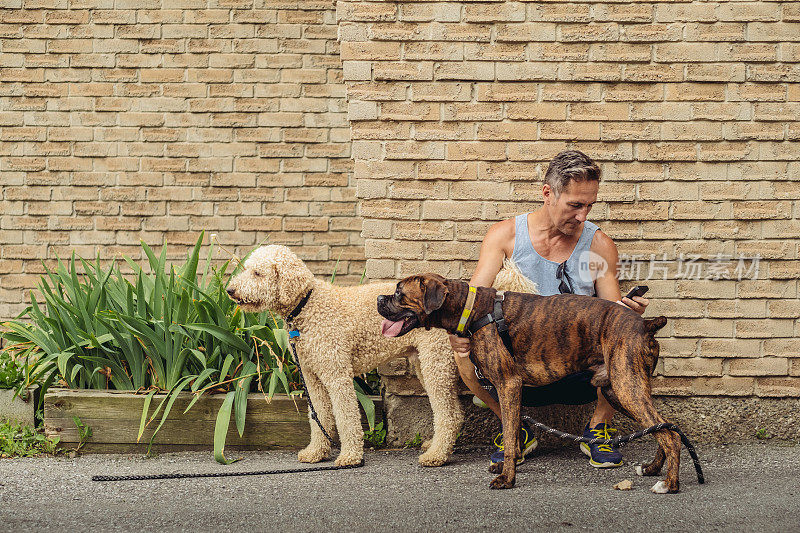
(21, 409)
(114, 417)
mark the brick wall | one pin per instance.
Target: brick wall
(691, 108)
(123, 120)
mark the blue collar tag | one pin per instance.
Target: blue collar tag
(294, 334)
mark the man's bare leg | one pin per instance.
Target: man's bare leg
(467, 371)
(603, 412)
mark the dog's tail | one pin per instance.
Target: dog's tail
(651, 325)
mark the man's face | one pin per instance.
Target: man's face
(570, 209)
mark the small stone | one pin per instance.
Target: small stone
(625, 484)
(73, 454)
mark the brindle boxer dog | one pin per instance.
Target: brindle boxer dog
(552, 337)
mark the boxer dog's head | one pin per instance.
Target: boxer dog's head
(411, 304)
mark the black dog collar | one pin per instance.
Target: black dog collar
(296, 311)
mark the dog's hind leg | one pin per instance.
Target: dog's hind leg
(650, 469)
(441, 383)
(318, 448)
(339, 385)
(633, 392)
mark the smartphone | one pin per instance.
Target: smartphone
(638, 290)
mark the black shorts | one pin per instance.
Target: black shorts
(574, 389)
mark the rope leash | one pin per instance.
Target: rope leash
(305, 390)
(625, 439)
(226, 474)
(616, 441)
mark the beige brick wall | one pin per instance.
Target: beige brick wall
(123, 120)
(691, 108)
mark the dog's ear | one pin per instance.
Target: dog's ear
(292, 277)
(435, 292)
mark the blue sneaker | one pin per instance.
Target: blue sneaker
(601, 455)
(527, 442)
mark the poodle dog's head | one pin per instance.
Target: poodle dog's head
(273, 278)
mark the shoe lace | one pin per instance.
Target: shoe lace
(603, 433)
(499, 445)
(523, 439)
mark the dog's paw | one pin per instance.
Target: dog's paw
(501, 482)
(426, 445)
(662, 488)
(312, 455)
(639, 471)
(432, 459)
(349, 460)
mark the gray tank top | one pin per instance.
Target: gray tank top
(543, 271)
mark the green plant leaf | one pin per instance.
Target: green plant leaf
(189, 271)
(202, 377)
(145, 409)
(223, 374)
(242, 388)
(222, 334)
(367, 404)
(194, 400)
(173, 395)
(281, 339)
(63, 359)
(75, 369)
(221, 430)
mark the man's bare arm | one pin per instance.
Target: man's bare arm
(607, 284)
(493, 251)
(490, 261)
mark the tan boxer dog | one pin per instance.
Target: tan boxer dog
(551, 337)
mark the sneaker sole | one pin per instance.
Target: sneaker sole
(585, 449)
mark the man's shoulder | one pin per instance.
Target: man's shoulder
(603, 244)
(502, 231)
(500, 236)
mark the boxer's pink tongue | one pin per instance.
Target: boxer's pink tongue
(390, 328)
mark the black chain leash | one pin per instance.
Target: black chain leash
(625, 439)
(256, 473)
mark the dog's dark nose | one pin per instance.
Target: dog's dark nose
(230, 290)
(381, 299)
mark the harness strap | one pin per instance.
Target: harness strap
(499, 319)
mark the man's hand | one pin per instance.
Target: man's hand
(638, 304)
(461, 345)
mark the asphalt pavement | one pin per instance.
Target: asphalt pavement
(750, 487)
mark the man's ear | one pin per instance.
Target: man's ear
(435, 292)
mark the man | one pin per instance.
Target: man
(558, 249)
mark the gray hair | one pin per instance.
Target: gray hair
(570, 165)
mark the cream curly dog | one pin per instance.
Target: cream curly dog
(340, 337)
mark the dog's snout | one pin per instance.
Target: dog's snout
(382, 299)
(230, 290)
